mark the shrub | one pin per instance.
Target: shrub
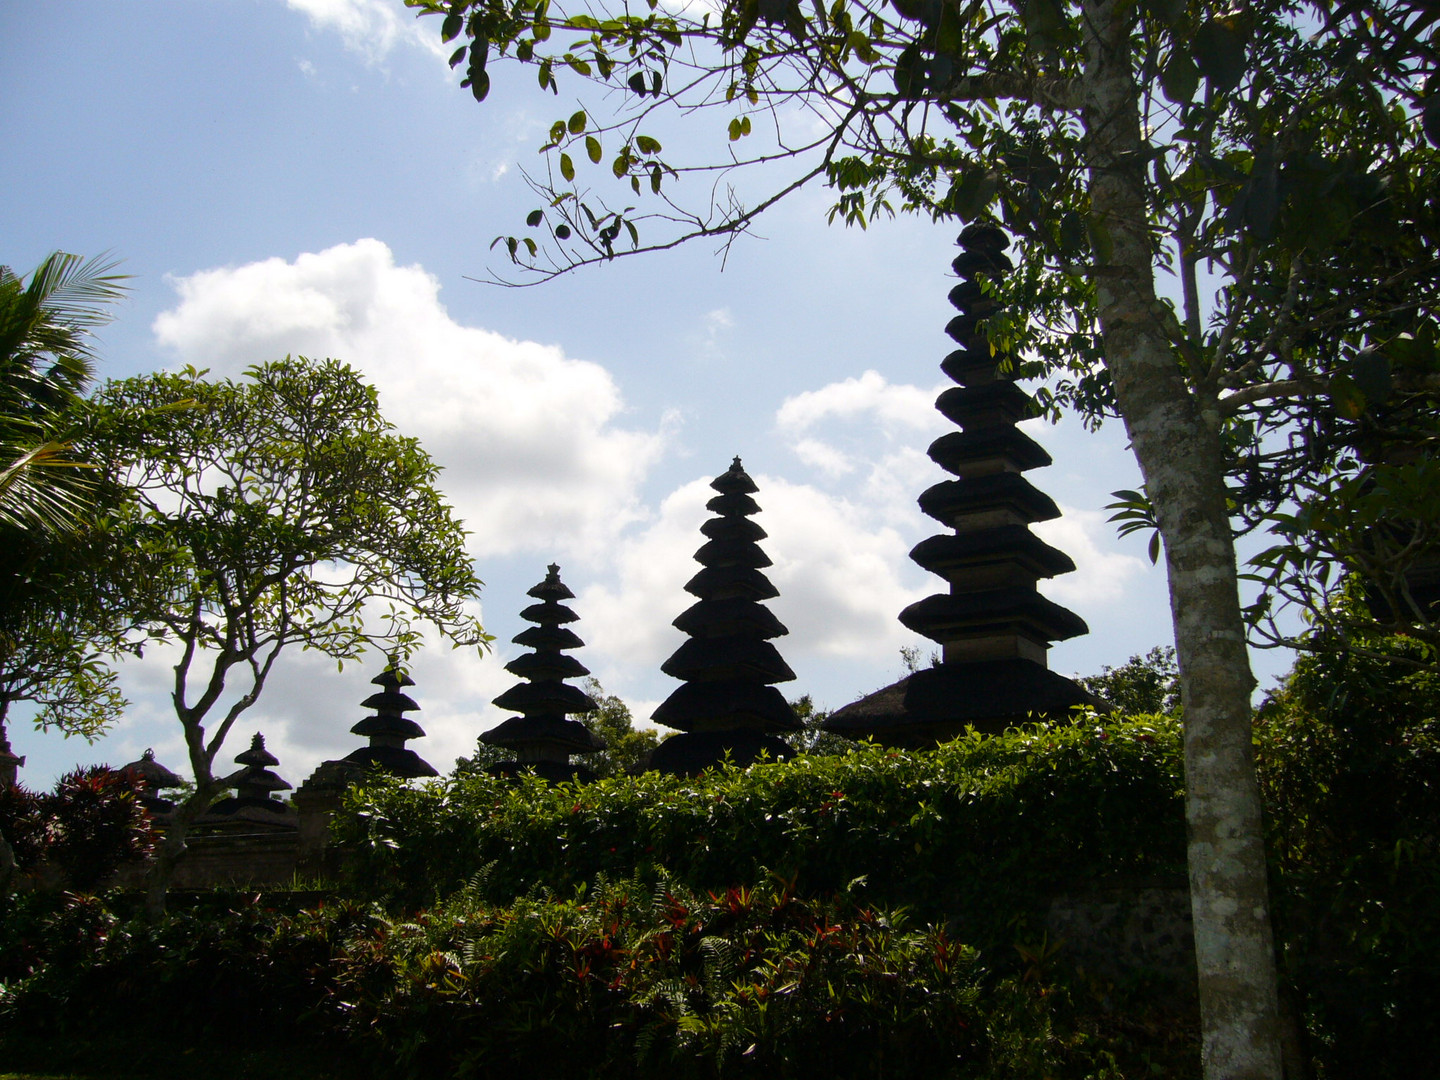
(976, 832)
(623, 979)
(1349, 761)
(87, 826)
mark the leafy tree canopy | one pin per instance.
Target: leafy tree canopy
(279, 510)
(1143, 685)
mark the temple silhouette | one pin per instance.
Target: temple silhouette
(992, 625)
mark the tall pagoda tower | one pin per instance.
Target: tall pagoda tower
(993, 625)
(389, 729)
(728, 704)
(543, 737)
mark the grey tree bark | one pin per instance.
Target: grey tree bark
(1176, 441)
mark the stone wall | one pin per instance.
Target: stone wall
(1126, 929)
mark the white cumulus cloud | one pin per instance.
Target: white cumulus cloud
(370, 28)
(1103, 575)
(893, 407)
(528, 437)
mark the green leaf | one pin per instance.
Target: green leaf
(451, 27)
(1101, 242)
(480, 85)
(534, 218)
(1262, 195)
(1220, 54)
(577, 123)
(647, 145)
(621, 165)
(1180, 78)
(1347, 397)
(567, 167)
(562, 232)
(1371, 371)
(592, 149)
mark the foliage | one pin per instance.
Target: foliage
(1142, 686)
(279, 511)
(812, 738)
(1349, 751)
(58, 621)
(976, 831)
(46, 364)
(623, 979)
(627, 748)
(88, 826)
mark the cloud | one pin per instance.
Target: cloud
(893, 407)
(528, 437)
(866, 437)
(369, 28)
(1102, 575)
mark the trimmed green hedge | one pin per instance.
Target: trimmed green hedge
(629, 980)
(974, 833)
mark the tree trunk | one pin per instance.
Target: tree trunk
(172, 850)
(1182, 464)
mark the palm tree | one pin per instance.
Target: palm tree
(46, 488)
(46, 365)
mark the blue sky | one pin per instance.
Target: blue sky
(307, 177)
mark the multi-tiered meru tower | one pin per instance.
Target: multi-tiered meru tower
(389, 729)
(542, 737)
(729, 706)
(993, 626)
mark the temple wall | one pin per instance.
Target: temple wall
(236, 859)
(1126, 929)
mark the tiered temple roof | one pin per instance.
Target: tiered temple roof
(993, 625)
(543, 737)
(151, 778)
(728, 703)
(389, 730)
(255, 786)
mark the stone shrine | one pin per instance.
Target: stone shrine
(254, 802)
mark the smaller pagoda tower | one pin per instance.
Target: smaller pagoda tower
(993, 625)
(728, 705)
(151, 778)
(255, 786)
(389, 729)
(543, 736)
